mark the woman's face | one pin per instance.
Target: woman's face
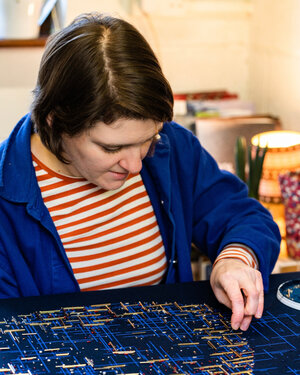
(106, 154)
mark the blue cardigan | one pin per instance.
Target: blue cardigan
(193, 201)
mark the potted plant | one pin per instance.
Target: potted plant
(249, 172)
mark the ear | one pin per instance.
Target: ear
(49, 119)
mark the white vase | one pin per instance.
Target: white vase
(19, 19)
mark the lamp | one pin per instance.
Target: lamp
(290, 190)
(283, 155)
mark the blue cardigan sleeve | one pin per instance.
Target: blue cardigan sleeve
(211, 207)
(224, 214)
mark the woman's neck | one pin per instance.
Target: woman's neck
(47, 157)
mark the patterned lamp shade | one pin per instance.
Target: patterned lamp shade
(290, 189)
(283, 155)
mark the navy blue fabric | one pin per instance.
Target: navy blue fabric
(193, 201)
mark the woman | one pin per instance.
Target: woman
(100, 189)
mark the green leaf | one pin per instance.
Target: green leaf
(240, 157)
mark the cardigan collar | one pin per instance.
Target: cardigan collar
(17, 177)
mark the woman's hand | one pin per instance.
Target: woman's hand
(239, 287)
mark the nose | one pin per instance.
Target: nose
(131, 160)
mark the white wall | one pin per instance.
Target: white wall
(18, 72)
(274, 67)
(250, 47)
(202, 50)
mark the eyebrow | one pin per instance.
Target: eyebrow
(111, 145)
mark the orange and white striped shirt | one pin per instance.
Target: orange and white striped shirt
(111, 238)
(241, 252)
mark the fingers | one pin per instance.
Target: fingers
(260, 307)
(241, 289)
(245, 323)
(254, 296)
(237, 304)
(248, 303)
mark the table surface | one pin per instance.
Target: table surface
(193, 292)
(274, 340)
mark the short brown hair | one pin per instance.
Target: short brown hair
(99, 68)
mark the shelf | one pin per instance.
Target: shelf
(21, 43)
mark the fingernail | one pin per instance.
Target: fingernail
(244, 327)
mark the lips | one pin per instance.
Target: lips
(119, 175)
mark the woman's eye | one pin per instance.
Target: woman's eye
(111, 150)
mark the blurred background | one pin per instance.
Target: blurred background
(247, 47)
(234, 66)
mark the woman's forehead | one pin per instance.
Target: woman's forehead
(125, 131)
